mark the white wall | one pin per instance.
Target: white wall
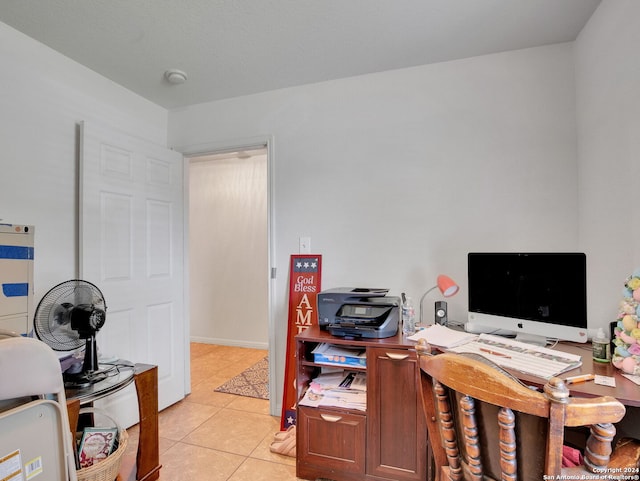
(607, 90)
(229, 251)
(43, 95)
(396, 176)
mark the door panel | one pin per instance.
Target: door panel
(131, 246)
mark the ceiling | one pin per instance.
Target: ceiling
(230, 48)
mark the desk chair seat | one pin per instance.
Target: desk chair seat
(484, 424)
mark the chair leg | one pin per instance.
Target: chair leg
(598, 449)
(444, 473)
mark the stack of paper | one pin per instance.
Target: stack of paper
(346, 390)
(442, 336)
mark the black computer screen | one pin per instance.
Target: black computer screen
(543, 287)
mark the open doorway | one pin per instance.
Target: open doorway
(229, 248)
(193, 154)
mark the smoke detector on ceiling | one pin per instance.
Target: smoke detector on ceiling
(175, 76)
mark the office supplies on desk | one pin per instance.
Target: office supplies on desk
(581, 378)
(519, 356)
(605, 380)
(495, 353)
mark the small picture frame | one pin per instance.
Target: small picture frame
(96, 444)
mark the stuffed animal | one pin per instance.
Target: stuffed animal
(626, 355)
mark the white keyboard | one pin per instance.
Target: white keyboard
(519, 356)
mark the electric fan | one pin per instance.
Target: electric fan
(68, 316)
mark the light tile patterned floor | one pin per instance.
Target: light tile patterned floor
(211, 436)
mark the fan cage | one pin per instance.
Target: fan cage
(49, 328)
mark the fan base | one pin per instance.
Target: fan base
(83, 379)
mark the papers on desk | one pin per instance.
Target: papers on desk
(633, 378)
(605, 380)
(346, 389)
(442, 336)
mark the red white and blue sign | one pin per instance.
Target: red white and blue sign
(304, 286)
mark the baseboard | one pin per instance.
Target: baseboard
(230, 342)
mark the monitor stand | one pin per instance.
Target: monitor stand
(475, 328)
(531, 339)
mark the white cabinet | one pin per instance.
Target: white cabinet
(16, 277)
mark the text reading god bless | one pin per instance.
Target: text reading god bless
(304, 284)
(304, 309)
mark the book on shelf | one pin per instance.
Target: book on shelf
(325, 353)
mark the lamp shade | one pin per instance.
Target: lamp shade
(447, 286)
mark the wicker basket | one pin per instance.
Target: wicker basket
(107, 469)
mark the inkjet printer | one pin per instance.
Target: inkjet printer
(358, 312)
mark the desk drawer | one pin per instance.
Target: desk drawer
(331, 440)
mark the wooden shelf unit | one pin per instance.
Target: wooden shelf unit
(388, 441)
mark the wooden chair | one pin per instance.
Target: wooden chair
(484, 424)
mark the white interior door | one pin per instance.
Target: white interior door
(131, 247)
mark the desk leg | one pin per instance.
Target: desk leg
(73, 412)
(148, 456)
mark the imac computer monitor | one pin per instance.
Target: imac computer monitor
(534, 296)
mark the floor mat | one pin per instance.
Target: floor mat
(252, 382)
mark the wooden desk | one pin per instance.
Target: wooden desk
(148, 456)
(387, 441)
(626, 391)
(145, 377)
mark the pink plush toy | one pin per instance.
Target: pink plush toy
(626, 355)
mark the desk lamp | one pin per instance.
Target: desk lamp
(447, 287)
